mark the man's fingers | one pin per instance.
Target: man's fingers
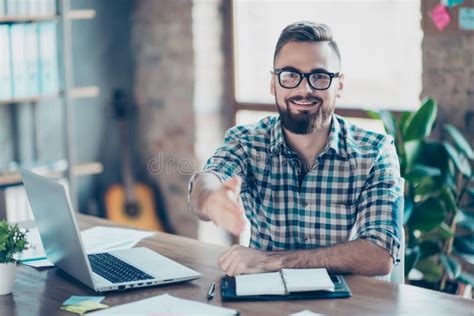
(233, 184)
(233, 267)
(228, 252)
(230, 218)
(226, 259)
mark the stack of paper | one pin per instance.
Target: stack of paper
(97, 239)
(166, 305)
(83, 304)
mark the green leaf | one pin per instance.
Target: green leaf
(427, 187)
(467, 278)
(420, 171)
(460, 161)
(459, 140)
(412, 152)
(442, 232)
(421, 124)
(432, 271)
(429, 248)
(433, 154)
(464, 244)
(467, 225)
(373, 115)
(451, 265)
(12, 241)
(412, 256)
(448, 199)
(404, 118)
(427, 215)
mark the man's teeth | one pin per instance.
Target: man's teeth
(303, 103)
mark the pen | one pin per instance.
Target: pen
(210, 292)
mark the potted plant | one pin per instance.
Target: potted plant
(12, 241)
(438, 196)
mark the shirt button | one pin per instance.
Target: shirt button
(304, 203)
(304, 238)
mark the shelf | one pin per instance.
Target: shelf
(84, 92)
(71, 15)
(81, 14)
(28, 19)
(76, 93)
(85, 169)
(33, 99)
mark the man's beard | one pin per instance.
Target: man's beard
(303, 122)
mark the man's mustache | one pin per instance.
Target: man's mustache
(308, 98)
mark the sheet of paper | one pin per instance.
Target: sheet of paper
(97, 239)
(259, 284)
(452, 3)
(466, 19)
(83, 307)
(35, 248)
(75, 299)
(301, 280)
(42, 263)
(440, 17)
(306, 313)
(102, 238)
(166, 305)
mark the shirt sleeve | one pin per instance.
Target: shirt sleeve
(380, 205)
(227, 161)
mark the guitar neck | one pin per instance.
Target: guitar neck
(125, 151)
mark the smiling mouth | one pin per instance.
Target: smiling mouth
(304, 103)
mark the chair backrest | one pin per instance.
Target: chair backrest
(398, 272)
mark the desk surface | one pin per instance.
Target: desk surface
(41, 292)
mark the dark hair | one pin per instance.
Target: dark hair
(305, 31)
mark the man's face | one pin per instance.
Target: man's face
(303, 109)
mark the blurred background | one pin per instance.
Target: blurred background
(124, 100)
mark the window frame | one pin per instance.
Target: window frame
(230, 97)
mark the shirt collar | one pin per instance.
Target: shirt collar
(336, 137)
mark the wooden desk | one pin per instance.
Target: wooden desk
(41, 292)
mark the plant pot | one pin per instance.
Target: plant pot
(7, 277)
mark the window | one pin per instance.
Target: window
(380, 43)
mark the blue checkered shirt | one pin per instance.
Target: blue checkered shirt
(353, 191)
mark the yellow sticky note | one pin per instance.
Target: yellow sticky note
(84, 307)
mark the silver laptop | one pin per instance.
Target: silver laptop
(115, 270)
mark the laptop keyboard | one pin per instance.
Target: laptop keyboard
(115, 270)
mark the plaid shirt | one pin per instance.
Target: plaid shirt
(353, 191)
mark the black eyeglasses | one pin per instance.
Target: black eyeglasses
(318, 80)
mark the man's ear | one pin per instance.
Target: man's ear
(340, 85)
(272, 84)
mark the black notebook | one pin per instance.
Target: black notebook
(287, 284)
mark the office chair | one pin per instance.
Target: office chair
(398, 272)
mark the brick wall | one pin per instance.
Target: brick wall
(448, 70)
(162, 45)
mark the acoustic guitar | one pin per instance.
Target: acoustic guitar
(133, 202)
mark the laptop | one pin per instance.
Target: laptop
(102, 272)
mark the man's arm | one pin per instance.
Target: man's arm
(214, 193)
(203, 186)
(361, 257)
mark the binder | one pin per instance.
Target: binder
(32, 75)
(18, 37)
(48, 60)
(3, 11)
(341, 290)
(5, 64)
